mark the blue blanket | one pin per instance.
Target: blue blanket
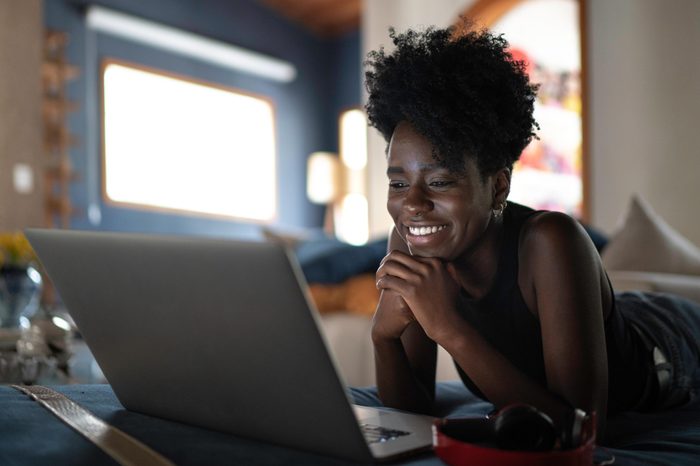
(31, 436)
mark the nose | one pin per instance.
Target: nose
(417, 202)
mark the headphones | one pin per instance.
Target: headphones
(517, 427)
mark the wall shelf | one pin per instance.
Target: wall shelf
(56, 72)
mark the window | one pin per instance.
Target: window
(173, 143)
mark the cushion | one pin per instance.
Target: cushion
(335, 264)
(645, 242)
(599, 239)
(687, 286)
(325, 259)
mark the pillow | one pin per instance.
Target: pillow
(645, 242)
(307, 244)
(337, 264)
(599, 239)
(325, 259)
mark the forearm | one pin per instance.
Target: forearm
(398, 385)
(503, 383)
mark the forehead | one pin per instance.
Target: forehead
(410, 150)
(407, 143)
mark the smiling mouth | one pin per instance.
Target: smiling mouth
(425, 231)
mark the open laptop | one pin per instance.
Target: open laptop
(218, 334)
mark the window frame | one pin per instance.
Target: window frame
(108, 201)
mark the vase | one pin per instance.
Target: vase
(20, 292)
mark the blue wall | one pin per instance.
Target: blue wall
(307, 109)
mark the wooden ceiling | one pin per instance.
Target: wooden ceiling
(325, 18)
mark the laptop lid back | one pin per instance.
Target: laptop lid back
(210, 332)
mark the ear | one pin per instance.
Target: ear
(501, 186)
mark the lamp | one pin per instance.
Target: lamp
(324, 183)
(339, 182)
(352, 215)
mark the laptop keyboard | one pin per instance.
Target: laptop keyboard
(377, 434)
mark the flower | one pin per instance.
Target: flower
(15, 250)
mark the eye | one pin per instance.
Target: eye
(397, 185)
(441, 183)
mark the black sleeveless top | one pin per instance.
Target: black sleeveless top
(504, 320)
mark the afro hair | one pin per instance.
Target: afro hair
(463, 92)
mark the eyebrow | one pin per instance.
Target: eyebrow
(391, 170)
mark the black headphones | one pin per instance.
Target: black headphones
(518, 427)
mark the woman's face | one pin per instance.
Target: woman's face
(438, 213)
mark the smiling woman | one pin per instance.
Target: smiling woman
(176, 144)
(518, 297)
(427, 201)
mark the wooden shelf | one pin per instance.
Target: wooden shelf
(60, 172)
(54, 110)
(56, 72)
(58, 139)
(55, 42)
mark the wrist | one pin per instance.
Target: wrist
(453, 337)
(381, 339)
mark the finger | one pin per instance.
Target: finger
(392, 267)
(400, 255)
(452, 270)
(392, 254)
(421, 265)
(392, 299)
(393, 283)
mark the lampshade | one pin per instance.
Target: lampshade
(323, 181)
(353, 139)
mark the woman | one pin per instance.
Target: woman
(518, 297)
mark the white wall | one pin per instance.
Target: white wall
(21, 29)
(643, 104)
(644, 109)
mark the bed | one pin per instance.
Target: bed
(341, 284)
(30, 435)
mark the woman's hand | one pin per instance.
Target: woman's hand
(429, 288)
(392, 315)
(404, 356)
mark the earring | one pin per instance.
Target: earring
(499, 211)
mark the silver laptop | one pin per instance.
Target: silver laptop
(218, 334)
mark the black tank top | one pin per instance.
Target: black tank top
(504, 320)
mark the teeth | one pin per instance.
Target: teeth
(422, 231)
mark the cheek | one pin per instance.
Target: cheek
(479, 221)
(471, 221)
(392, 206)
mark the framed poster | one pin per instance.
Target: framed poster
(546, 35)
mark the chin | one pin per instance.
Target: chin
(428, 252)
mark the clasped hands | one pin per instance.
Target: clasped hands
(421, 289)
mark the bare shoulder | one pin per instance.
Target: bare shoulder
(556, 252)
(551, 225)
(554, 232)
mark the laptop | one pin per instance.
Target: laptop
(219, 334)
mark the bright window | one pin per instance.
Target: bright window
(172, 143)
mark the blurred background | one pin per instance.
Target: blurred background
(244, 119)
(204, 117)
